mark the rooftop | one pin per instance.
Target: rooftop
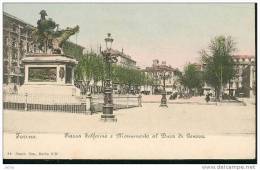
(15, 18)
(121, 54)
(243, 56)
(159, 68)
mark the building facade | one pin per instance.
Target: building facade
(245, 79)
(125, 60)
(17, 41)
(156, 73)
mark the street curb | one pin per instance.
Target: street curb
(198, 103)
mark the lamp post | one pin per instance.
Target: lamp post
(109, 58)
(164, 76)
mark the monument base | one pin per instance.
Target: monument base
(49, 74)
(163, 105)
(49, 89)
(163, 100)
(108, 118)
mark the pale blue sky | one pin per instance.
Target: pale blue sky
(171, 32)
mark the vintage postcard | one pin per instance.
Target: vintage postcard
(129, 81)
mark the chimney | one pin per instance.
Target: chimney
(122, 51)
(155, 62)
(164, 63)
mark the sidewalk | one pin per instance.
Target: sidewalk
(228, 133)
(224, 119)
(248, 101)
(200, 100)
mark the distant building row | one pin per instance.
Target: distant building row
(243, 84)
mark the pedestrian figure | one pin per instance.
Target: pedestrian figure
(15, 89)
(140, 100)
(207, 98)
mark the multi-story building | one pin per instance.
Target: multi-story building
(155, 72)
(125, 60)
(243, 83)
(17, 41)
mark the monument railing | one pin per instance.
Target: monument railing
(119, 102)
(60, 103)
(65, 103)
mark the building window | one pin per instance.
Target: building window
(27, 47)
(5, 80)
(14, 55)
(14, 80)
(6, 41)
(34, 48)
(14, 28)
(5, 69)
(14, 43)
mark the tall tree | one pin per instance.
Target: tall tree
(178, 80)
(91, 67)
(83, 73)
(219, 67)
(128, 77)
(192, 77)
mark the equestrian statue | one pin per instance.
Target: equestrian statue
(48, 36)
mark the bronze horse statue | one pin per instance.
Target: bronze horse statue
(47, 37)
(60, 37)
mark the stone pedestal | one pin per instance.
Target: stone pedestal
(108, 104)
(51, 74)
(163, 100)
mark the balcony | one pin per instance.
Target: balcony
(6, 59)
(14, 60)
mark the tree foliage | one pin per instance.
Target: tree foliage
(192, 77)
(72, 49)
(219, 66)
(92, 67)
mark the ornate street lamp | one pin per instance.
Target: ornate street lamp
(164, 75)
(109, 40)
(109, 58)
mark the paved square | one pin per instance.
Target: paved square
(209, 131)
